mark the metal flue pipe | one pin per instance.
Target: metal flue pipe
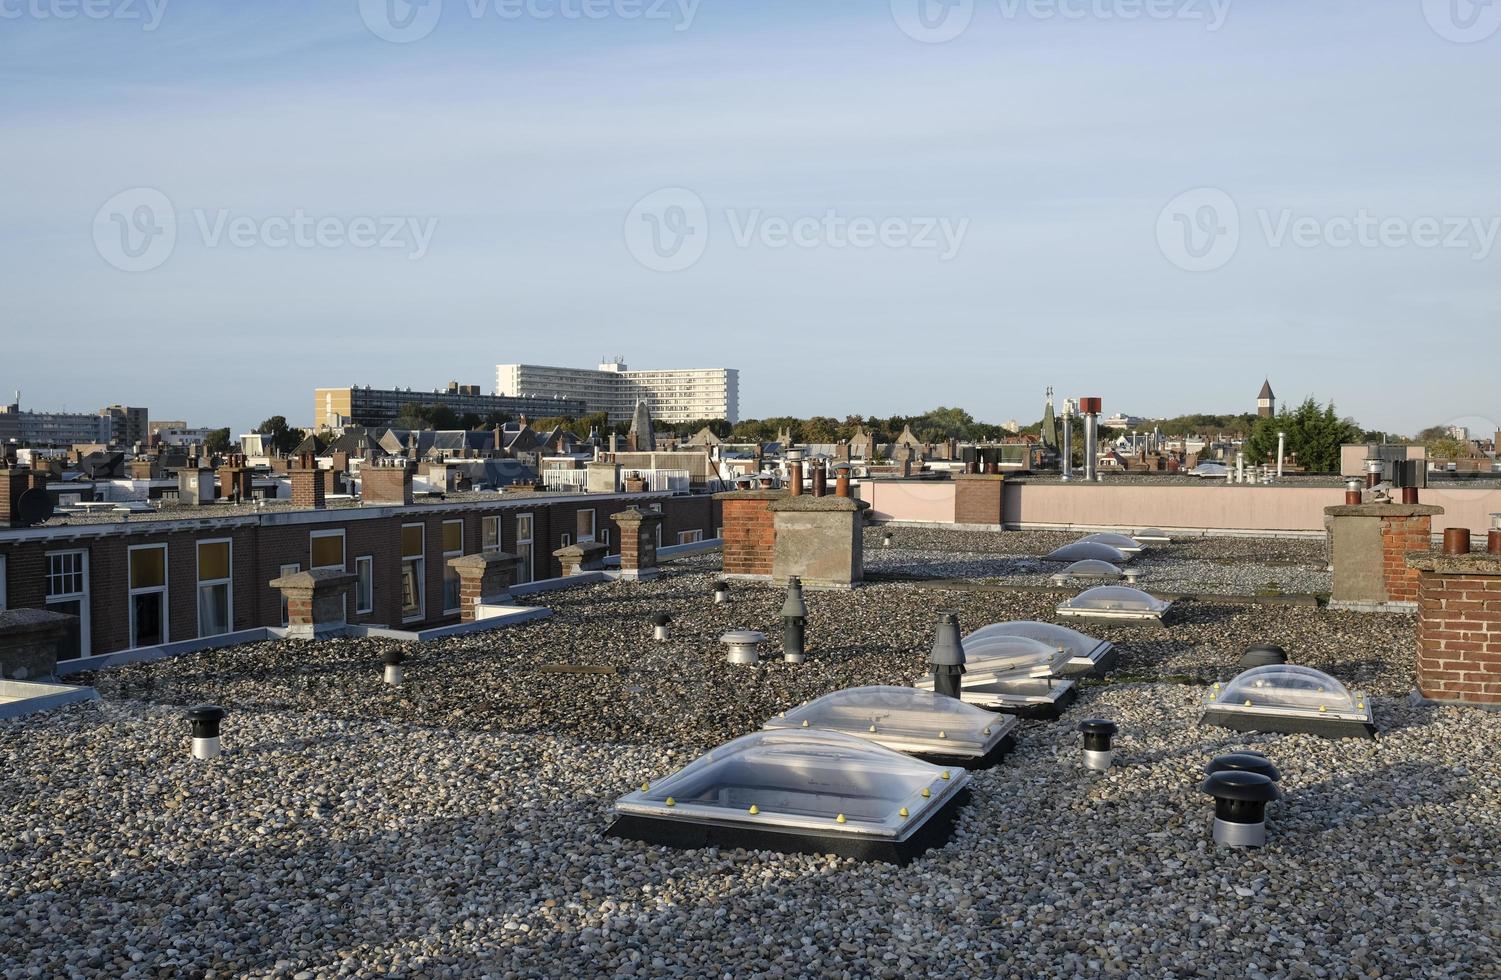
(947, 656)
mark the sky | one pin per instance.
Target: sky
(875, 208)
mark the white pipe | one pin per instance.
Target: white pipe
(206, 748)
(1281, 451)
(1068, 440)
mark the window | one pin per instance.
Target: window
(148, 595)
(68, 594)
(689, 537)
(327, 549)
(453, 547)
(490, 534)
(214, 593)
(586, 526)
(604, 536)
(567, 540)
(364, 584)
(2, 583)
(523, 548)
(286, 570)
(413, 567)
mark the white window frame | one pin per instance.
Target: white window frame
(421, 561)
(85, 634)
(526, 563)
(458, 583)
(343, 549)
(689, 537)
(2, 584)
(289, 569)
(593, 525)
(228, 583)
(131, 593)
(362, 579)
(567, 540)
(487, 526)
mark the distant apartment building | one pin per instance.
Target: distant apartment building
(335, 408)
(682, 395)
(117, 425)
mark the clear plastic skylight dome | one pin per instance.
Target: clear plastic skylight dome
(903, 719)
(1087, 551)
(1022, 656)
(1117, 541)
(1092, 569)
(807, 781)
(1114, 602)
(1087, 652)
(1289, 697)
(1152, 535)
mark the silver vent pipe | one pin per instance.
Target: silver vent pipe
(1068, 439)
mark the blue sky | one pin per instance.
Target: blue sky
(1156, 209)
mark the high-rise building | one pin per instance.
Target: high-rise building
(680, 395)
(116, 425)
(335, 408)
(1266, 402)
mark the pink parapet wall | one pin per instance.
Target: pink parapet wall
(1211, 506)
(929, 502)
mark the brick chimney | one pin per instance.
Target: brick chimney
(307, 484)
(386, 485)
(13, 483)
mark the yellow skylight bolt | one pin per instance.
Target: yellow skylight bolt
(805, 723)
(754, 809)
(925, 793)
(943, 734)
(839, 819)
(646, 787)
(1248, 702)
(987, 731)
(671, 801)
(903, 813)
(872, 728)
(944, 774)
(1323, 708)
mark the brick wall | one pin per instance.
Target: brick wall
(261, 545)
(977, 498)
(1400, 536)
(1459, 628)
(749, 531)
(307, 488)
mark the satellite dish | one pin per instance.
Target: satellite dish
(34, 506)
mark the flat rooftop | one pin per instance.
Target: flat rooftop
(454, 826)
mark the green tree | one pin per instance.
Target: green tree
(216, 443)
(1315, 434)
(283, 437)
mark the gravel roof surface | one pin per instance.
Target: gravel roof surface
(325, 847)
(1219, 564)
(683, 692)
(454, 826)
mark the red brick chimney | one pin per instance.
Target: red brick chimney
(386, 485)
(307, 484)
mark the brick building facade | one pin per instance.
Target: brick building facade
(147, 582)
